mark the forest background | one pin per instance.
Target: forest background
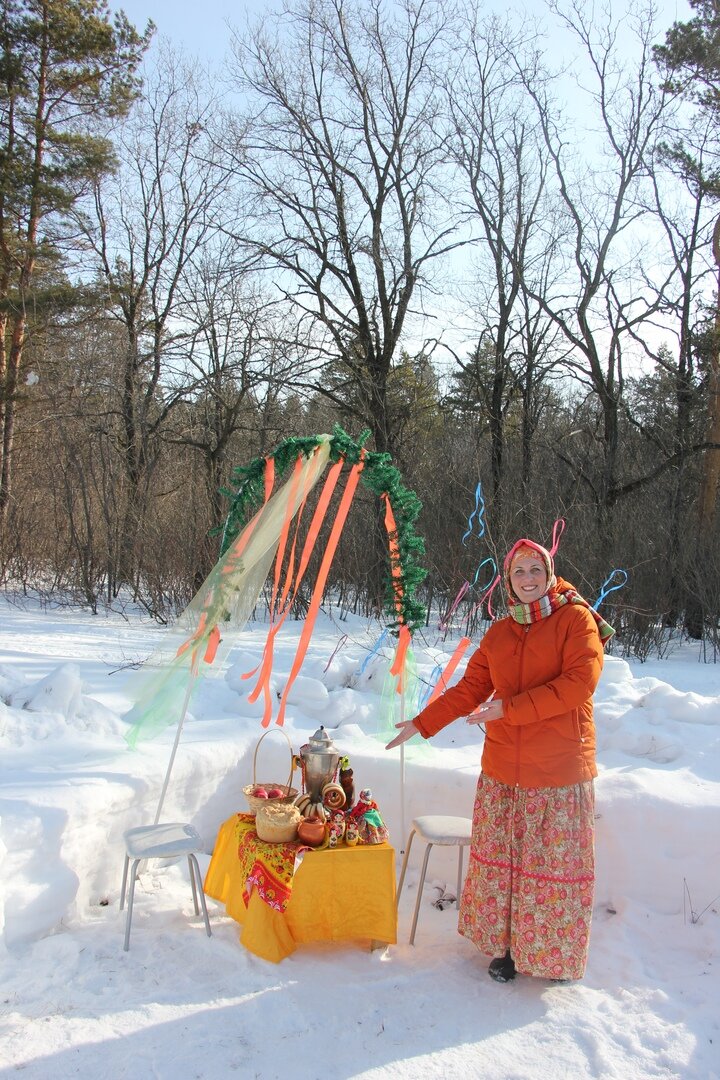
(490, 243)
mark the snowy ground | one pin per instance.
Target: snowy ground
(179, 1005)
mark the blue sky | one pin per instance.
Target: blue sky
(201, 27)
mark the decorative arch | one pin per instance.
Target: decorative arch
(380, 476)
(262, 529)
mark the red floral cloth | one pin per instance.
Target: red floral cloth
(531, 876)
(269, 868)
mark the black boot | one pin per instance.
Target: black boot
(502, 968)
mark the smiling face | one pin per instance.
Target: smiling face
(528, 577)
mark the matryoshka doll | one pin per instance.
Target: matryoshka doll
(336, 829)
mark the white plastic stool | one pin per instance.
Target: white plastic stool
(445, 832)
(161, 842)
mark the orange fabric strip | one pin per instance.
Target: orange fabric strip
(269, 480)
(398, 664)
(231, 559)
(285, 604)
(287, 520)
(212, 645)
(269, 476)
(316, 523)
(241, 542)
(195, 636)
(395, 564)
(322, 577)
(290, 575)
(449, 670)
(263, 682)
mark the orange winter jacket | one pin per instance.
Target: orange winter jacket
(545, 675)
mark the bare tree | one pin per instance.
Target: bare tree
(497, 145)
(148, 227)
(600, 301)
(240, 354)
(344, 165)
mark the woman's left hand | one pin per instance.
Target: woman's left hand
(491, 710)
(407, 729)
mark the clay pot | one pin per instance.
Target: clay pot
(311, 831)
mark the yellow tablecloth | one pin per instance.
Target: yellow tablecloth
(345, 894)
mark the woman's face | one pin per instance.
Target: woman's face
(528, 578)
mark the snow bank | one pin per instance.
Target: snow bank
(70, 787)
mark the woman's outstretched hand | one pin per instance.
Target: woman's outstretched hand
(491, 710)
(407, 730)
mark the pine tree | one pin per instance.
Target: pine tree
(66, 69)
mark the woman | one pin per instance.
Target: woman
(527, 900)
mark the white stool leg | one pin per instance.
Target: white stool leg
(404, 868)
(131, 897)
(192, 882)
(419, 895)
(124, 882)
(460, 874)
(194, 866)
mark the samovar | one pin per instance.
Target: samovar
(319, 760)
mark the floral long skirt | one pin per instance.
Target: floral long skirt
(531, 876)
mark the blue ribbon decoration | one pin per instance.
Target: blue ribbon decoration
(436, 673)
(493, 571)
(375, 648)
(605, 591)
(478, 513)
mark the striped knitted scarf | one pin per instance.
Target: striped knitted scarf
(556, 597)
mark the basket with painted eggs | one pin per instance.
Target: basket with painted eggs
(263, 794)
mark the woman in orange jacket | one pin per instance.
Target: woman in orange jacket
(527, 899)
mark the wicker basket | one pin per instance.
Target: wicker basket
(290, 792)
(277, 824)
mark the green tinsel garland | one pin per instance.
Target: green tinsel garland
(379, 475)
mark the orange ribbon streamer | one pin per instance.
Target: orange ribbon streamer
(284, 532)
(322, 577)
(233, 554)
(404, 637)
(398, 664)
(395, 564)
(449, 670)
(212, 645)
(263, 683)
(286, 607)
(232, 557)
(269, 476)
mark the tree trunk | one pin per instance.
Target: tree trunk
(711, 460)
(677, 589)
(12, 376)
(528, 431)
(707, 501)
